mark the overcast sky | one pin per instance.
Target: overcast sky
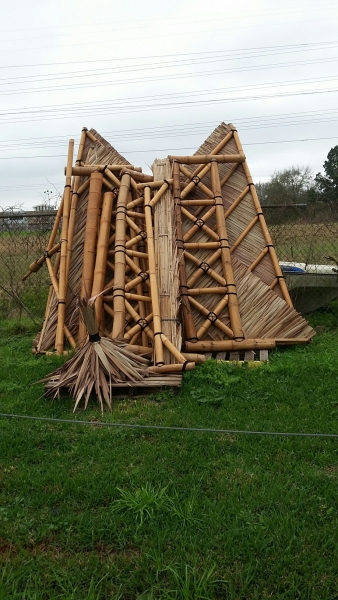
(156, 78)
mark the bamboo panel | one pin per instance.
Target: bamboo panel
(166, 258)
(96, 152)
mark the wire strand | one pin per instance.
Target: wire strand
(170, 427)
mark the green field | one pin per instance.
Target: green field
(88, 512)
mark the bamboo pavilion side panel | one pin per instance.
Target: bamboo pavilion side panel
(99, 152)
(245, 212)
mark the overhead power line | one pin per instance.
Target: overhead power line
(250, 52)
(175, 149)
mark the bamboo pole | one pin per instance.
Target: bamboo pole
(91, 136)
(215, 151)
(120, 259)
(153, 184)
(89, 169)
(195, 182)
(155, 301)
(212, 318)
(136, 175)
(59, 340)
(196, 358)
(236, 202)
(202, 159)
(189, 326)
(37, 264)
(187, 366)
(159, 193)
(199, 224)
(258, 259)
(207, 290)
(228, 174)
(235, 318)
(225, 345)
(202, 245)
(243, 234)
(205, 268)
(135, 240)
(135, 203)
(264, 227)
(74, 201)
(90, 239)
(198, 202)
(101, 256)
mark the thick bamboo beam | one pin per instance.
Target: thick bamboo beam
(101, 256)
(59, 340)
(74, 202)
(90, 240)
(202, 159)
(189, 326)
(120, 259)
(225, 345)
(235, 318)
(155, 301)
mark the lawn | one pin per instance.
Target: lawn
(88, 512)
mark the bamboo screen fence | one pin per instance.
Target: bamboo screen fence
(181, 262)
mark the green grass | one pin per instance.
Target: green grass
(88, 512)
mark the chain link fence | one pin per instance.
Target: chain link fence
(23, 239)
(305, 237)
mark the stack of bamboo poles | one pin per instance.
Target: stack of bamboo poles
(180, 259)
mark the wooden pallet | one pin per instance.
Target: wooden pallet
(251, 357)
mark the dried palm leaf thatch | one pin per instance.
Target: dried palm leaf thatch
(98, 363)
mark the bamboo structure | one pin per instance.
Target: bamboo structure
(179, 264)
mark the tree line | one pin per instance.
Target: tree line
(296, 185)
